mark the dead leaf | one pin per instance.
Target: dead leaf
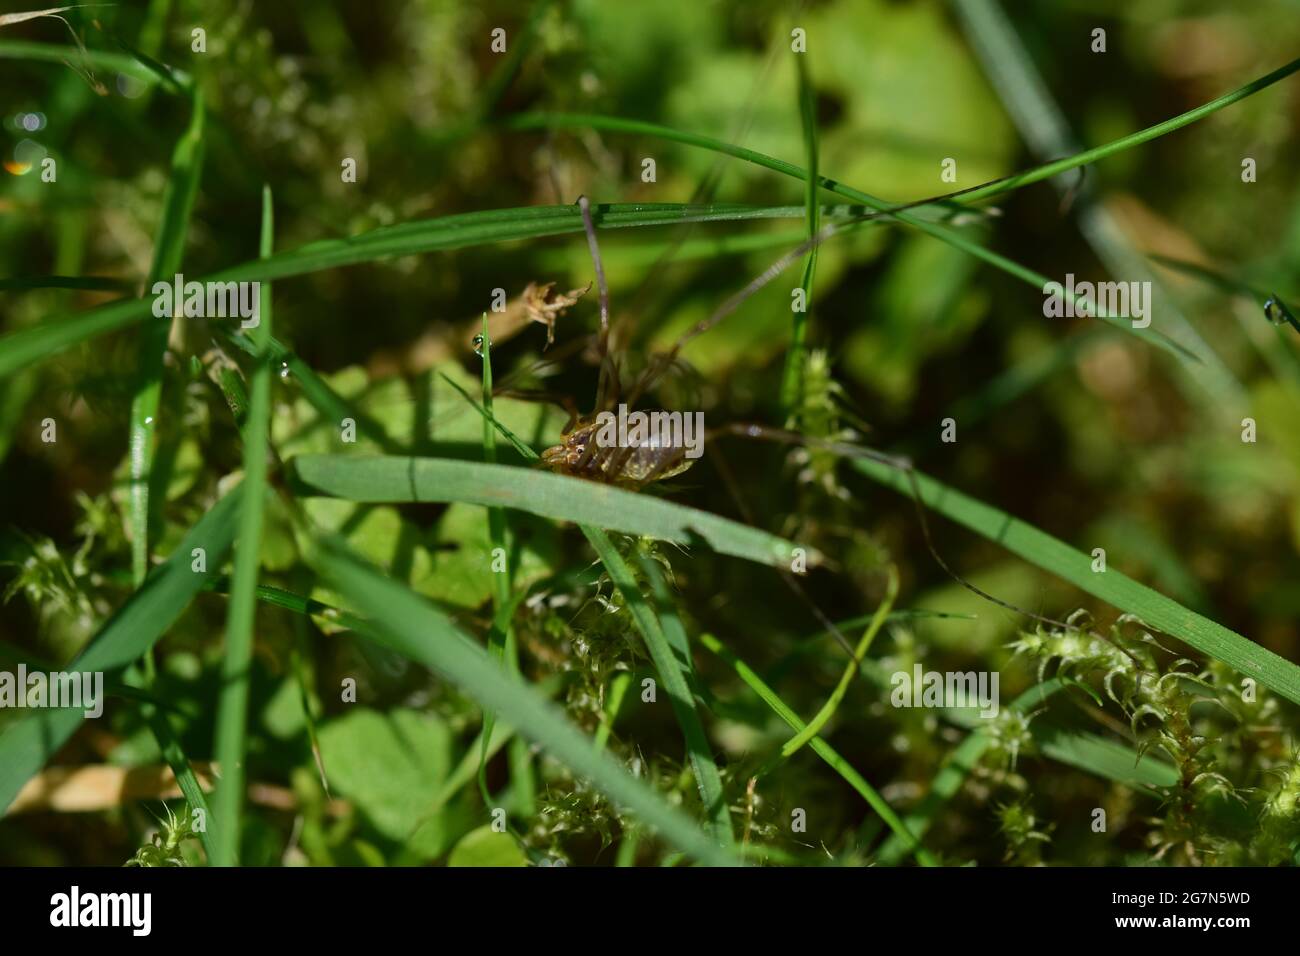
(543, 304)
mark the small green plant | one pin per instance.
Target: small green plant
(1231, 768)
(164, 847)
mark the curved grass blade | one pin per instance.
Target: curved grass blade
(792, 378)
(384, 479)
(31, 345)
(501, 638)
(85, 283)
(497, 538)
(1052, 554)
(672, 661)
(949, 779)
(618, 686)
(141, 621)
(424, 634)
(172, 751)
(59, 53)
(1029, 103)
(998, 187)
(541, 120)
(232, 706)
(821, 748)
(796, 743)
(1106, 758)
(169, 249)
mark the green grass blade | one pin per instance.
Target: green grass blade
(497, 539)
(490, 421)
(985, 191)
(950, 777)
(792, 379)
(1052, 554)
(383, 479)
(666, 610)
(672, 661)
(141, 621)
(618, 686)
(172, 751)
(424, 634)
(796, 743)
(31, 345)
(169, 249)
(1029, 103)
(61, 53)
(821, 748)
(1105, 758)
(232, 707)
(84, 283)
(911, 217)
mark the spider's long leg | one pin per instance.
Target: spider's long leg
(629, 314)
(553, 359)
(584, 205)
(564, 402)
(733, 488)
(663, 360)
(904, 466)
(608, 371)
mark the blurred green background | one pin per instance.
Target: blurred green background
(1067, 424)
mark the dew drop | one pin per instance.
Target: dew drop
(478, 345)
(284, 369)
(1275, 311)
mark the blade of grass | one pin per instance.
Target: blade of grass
(424, 634)
(1106, 758)
(300, 664)
(60, 53)
(796, 743)
(141, 621)
(914, 216)
(821, 748)
(1029, 103)
(1275, 344)
(232, 705)
(497, 539)
(289, 601)
(31, 345)
(673, 678)
(89, 283)
(1053, 555)
(332, 406)
(542, 120)
(169, 248)
(618, 686)
(502, 637)
(949, 779)
(792, 380)
(677, 650)
(172, 751)
(389, 479)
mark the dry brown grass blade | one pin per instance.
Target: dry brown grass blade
(98, 787)
(9, 19)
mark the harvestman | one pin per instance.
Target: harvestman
(639, 463)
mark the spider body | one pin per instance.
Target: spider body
(641, 459)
